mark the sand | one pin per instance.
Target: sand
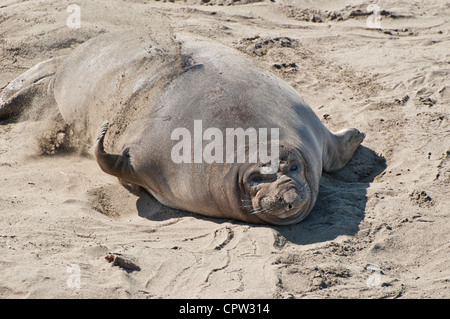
(380, 228)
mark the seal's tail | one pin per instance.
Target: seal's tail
(114, 164)
(19, 92)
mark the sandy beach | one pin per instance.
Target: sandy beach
(380, 227)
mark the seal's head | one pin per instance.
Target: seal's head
(281, 198)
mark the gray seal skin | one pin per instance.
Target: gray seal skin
(146, 88)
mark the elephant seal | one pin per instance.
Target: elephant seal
(149, 88)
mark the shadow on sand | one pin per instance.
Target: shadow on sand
(341, 203)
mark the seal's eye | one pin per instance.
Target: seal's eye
(294, 168)
(256, 180)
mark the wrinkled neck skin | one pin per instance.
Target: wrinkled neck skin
(226, 192)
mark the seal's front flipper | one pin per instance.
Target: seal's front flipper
(340, 148)
(21, 91)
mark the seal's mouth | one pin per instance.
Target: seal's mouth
(286, 204)
(279, 203)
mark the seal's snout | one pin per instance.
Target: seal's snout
(291, 199)
(286, 204)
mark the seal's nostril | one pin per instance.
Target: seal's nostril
(290, 206)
